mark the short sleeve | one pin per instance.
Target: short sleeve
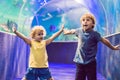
(77, 31)
(98, 36)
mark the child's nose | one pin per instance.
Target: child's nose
(85, 21)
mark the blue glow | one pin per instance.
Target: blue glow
(27, 13)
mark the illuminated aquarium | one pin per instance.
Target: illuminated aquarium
(51, 14)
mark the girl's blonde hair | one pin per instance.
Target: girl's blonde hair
(37, 28)
(88, 15)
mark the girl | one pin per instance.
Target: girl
(38, 60)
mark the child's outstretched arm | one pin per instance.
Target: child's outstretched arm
(21, 35)
(66, 32)
(107, 43)
(48, 41)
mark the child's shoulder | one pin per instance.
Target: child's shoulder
(78, 29)
(96, 31)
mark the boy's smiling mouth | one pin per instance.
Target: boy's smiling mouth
(85, 25)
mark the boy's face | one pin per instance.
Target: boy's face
(38, 35)
(87, 24)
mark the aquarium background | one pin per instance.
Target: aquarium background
(25, 14)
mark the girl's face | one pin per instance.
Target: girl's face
(87, 24)
(38, 35)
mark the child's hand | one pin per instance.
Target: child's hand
(14, 29)
(117, 47)
(62, 27)
(65, 31)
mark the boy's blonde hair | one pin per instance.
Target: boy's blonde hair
(37, 28)
(88, 15)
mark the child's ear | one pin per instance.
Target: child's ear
(93, 25)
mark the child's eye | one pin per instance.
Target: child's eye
(83, 20)
(40, 34)
(88, 19)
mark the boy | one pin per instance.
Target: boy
(85, 57)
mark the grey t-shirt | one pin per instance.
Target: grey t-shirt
(87, 46)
